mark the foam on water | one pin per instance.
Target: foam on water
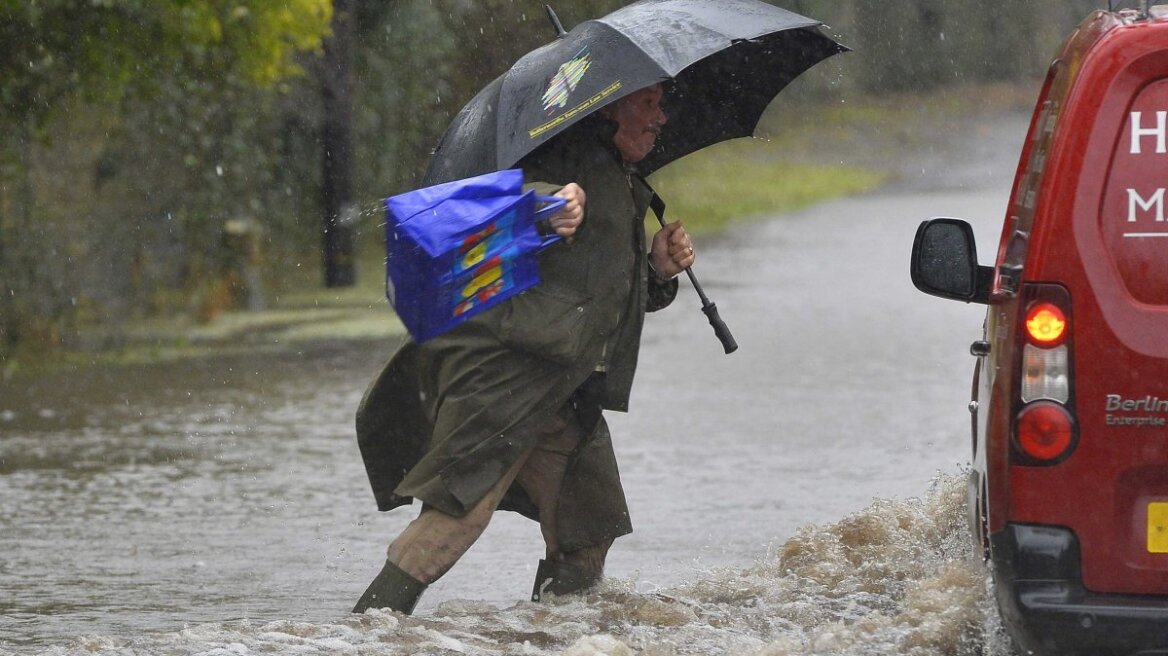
(899, 577)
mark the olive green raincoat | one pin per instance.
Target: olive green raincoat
(447, 418)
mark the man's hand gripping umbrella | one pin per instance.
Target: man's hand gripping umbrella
(708, 307)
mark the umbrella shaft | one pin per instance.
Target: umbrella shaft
(697, 287)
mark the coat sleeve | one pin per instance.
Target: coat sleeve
(661, 294)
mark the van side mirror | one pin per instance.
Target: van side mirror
(944, 262)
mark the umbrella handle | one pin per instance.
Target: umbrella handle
(709, 308)
(721, 331)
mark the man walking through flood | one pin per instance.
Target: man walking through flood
(505, 411)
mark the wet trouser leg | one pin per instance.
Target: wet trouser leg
(541, 478)
(427, 548)
(434, 541)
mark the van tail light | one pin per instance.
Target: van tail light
(1045, 374)
(1044, 425)
(1046, 324)
(1045, 431)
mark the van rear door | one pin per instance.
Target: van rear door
(1113, 490)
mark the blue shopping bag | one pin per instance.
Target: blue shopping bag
(456, 249)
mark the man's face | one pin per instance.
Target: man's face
(639, 118)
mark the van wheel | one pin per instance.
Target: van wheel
(984, 522)
(977, 518)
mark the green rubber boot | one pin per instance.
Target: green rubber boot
(560, 578)
(392, 589)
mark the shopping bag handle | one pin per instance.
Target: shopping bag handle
(551, 205)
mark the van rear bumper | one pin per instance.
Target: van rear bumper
(1047, 610)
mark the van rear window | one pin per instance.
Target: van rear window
(1134, 217)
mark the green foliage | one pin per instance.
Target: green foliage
(132, 129)
(102, 49)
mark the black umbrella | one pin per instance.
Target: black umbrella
(721, 63)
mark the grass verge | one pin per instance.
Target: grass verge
(747, 179)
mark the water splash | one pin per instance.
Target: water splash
(899, 577)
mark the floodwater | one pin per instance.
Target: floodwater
(800, 496)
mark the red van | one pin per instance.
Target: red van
(1068, 490)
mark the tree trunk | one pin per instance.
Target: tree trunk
(340, 214)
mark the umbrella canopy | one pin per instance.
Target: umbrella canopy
(722, 64)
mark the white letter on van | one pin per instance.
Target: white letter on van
(1134, 199)
(1113, 402)
(1139, 131)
